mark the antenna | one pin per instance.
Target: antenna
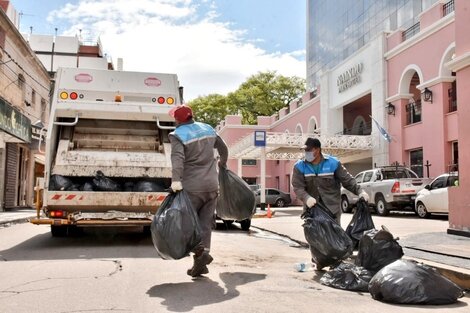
(20, 15)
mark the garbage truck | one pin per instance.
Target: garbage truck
(107, 148)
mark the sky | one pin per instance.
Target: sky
(213, 45)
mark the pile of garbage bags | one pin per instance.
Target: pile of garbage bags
(236, 200)
(175, 227)
(102, 183)
(378, 267)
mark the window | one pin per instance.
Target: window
(272, 192)
(416, 162)
(249, 162)
(440, 182)
(33, 97)
(367, 176)
(452, 181)
(413, 112)
(455, 156)
(358, 178)
(452, 93)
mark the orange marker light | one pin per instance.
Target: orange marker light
(64, 95)
(118, 98)
(170, 100)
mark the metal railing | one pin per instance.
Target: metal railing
(411, 31)
(448, 8)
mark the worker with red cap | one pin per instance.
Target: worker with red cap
(194, 169)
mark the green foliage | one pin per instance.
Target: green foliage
(262, 94)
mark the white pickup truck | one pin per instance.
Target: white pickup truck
(389, 188)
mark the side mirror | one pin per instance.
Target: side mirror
(428, 187)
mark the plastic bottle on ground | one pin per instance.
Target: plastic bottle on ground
(303, 266)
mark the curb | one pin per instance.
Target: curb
(459, 276)
(19, 220)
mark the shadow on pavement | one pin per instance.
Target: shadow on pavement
(184, 297)
(111, 243)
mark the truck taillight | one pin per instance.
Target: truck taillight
(396, 187)
(170, 100)
(73, 95)
(56, 213)
(161, 100)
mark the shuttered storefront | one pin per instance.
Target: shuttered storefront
(11, 170)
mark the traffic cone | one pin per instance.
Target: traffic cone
(269, 215)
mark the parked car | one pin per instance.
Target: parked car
(434, 198)
(274, 197)
(389, 187)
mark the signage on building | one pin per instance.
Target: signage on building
(260, 138)
(14, 122)
(350, 77)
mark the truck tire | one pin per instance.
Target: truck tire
(345, 207)
(59, 231)
(381, 206)
(421, 210)
(245, 224)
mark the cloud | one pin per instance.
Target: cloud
(176, 36)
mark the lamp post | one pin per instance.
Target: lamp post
(427, 93)
(390, 109)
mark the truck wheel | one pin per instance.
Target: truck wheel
(58, 231)
(422, 211)
(381, 207)
(345, 207)
(245, 224)
(280, 203)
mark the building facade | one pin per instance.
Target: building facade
(410, 84)
(24, 110)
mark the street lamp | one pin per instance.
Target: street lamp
(427, 93)
(390, 109)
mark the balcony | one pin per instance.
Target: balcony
(448, 8)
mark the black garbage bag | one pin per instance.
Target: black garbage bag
(58, 182)
(129, 186)
(348, 276)
(409, 282)
(328, 242)
(148, 186)
(360, 222)
(236, 200)
(88, 186)
(378, 248)
(74, 187)
(175, 227)
(104, 183)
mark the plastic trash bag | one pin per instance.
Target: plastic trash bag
(409, 282)
(129, 186)
(74, 187)
(58, 182)
(236, 200)
(328, 242)
(360, 222)
(88, 186)
(148, 186)
(104, 183)
(348, 276)
(175, 227)
(378, 248)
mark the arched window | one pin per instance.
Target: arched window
(298, 129)
(312, 125)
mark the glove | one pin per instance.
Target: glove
(364, 196)
(176, 186)
(311, 202)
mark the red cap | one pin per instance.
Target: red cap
(181, 113)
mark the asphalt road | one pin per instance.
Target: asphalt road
(118, 271)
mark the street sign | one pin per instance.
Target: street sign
(260, 138)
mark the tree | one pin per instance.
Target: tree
(211, 109)
(262, 94)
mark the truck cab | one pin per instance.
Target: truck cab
(107, 148)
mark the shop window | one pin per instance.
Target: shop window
(416, 162)
(413, 112)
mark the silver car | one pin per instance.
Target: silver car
(274, 197)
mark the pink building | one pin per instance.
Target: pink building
(414, 82)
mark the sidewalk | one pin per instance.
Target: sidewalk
(425, 241)
(16, 216)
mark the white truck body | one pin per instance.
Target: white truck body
(388, 187)
(116, 122)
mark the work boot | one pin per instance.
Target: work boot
(204, 271)
(200, 264)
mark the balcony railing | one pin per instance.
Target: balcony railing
(410, 32)
(448, 8)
